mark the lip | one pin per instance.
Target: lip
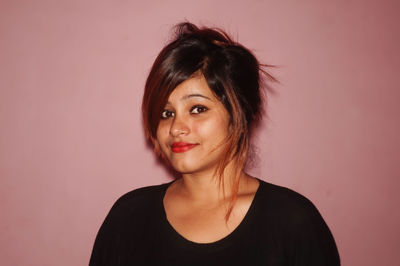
(179, 147)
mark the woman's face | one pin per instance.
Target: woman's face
(194, 127)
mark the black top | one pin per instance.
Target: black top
(281, 227)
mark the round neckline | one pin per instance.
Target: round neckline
(220, 242)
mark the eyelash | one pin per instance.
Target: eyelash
(166, 114)
(200, 109)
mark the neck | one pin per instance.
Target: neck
(208, 187)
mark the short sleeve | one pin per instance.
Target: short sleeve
(312, 243)
(107, 244)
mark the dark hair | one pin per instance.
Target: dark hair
(232, 72)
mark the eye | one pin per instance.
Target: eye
(198, 109)
(166, 114)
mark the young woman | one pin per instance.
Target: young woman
(202, 97)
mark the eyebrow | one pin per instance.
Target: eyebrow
(195, 95)
(186, 97)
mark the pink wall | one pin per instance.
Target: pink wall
(71, 141)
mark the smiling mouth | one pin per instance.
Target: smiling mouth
(179, 147)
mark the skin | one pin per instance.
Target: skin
(194, 204)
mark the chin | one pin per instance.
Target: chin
(186, 167)
(193, 163)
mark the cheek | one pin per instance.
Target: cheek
(161, 149)
(162, 135)
(215, 129)
(162, 131)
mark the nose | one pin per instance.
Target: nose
(179, 127)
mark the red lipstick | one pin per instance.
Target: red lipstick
(179, 147)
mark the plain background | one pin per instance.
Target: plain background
(71, 139)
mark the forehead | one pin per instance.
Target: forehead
(192, 87)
